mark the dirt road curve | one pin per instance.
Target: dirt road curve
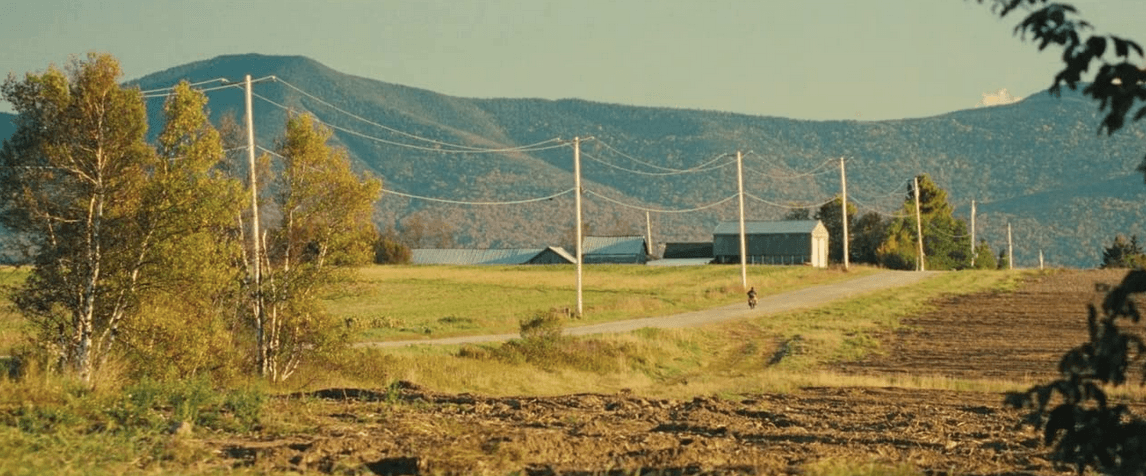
(802, 298)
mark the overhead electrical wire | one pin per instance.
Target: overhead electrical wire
(655, 174)
(168, 88)
(697, 168)
(790, 206)
(539, 146)
(387, 128)
(819, 169)
(461, 202)
(861, 205)
(646, 209)
(445, 200)
(446, 147)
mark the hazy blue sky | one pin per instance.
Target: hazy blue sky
(807, 59)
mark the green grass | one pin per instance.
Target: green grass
(410, 302)
(12, 326)
(731, 358)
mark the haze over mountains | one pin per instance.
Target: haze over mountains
(1037, 164)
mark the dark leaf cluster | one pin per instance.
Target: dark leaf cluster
(1074, 412)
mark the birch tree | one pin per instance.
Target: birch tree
(326, 224)
(186, 241)
(70, 180)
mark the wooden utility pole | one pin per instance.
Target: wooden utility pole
(973, 233)
(743, 240)
(256, 248)
(919, 227)
(577, 201)
(1010, 249)
(844, 208)
(648, 234)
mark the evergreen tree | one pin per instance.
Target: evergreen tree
(984, 258)
(946, 242)
(1123, 253)
(831, 215)
(868, 233)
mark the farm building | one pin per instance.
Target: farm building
(550, 255)
(773, 242)
(688, 250)
(614, 249)
(553, 255)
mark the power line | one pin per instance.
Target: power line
(168, 88)
(696, 168)
(791, 206)
(539, 146)
(862, 206)
(375, 124)
(460, 202)
(656, 174)
(819, 169)
(444, 200)
(646, 209)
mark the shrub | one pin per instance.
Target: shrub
(545, 326)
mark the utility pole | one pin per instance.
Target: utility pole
(844, 208)
(973, 233)
(1010, 249)
(919, 227)
(743, 240)
(577, 200)
(256, 249)
(648, 234)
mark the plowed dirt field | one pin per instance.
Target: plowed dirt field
(989, 336)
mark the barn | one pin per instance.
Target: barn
(773, 242)
(463, 257)
(614, 249)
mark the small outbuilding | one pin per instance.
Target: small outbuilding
(773, 242)
(614, 249)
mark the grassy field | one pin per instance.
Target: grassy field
(403, 302)
(50, 424)
(775, 353)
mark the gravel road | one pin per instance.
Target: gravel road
(798, 299)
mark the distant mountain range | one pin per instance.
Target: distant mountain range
(1037, 164)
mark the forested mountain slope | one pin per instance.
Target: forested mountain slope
(1037, 164)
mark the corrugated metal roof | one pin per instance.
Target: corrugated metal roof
(614, 245)
(472, 256)
(562, 253)
(767, 227)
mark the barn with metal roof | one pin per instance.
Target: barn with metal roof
(614, 249)
(488, 256)
(773, 242)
